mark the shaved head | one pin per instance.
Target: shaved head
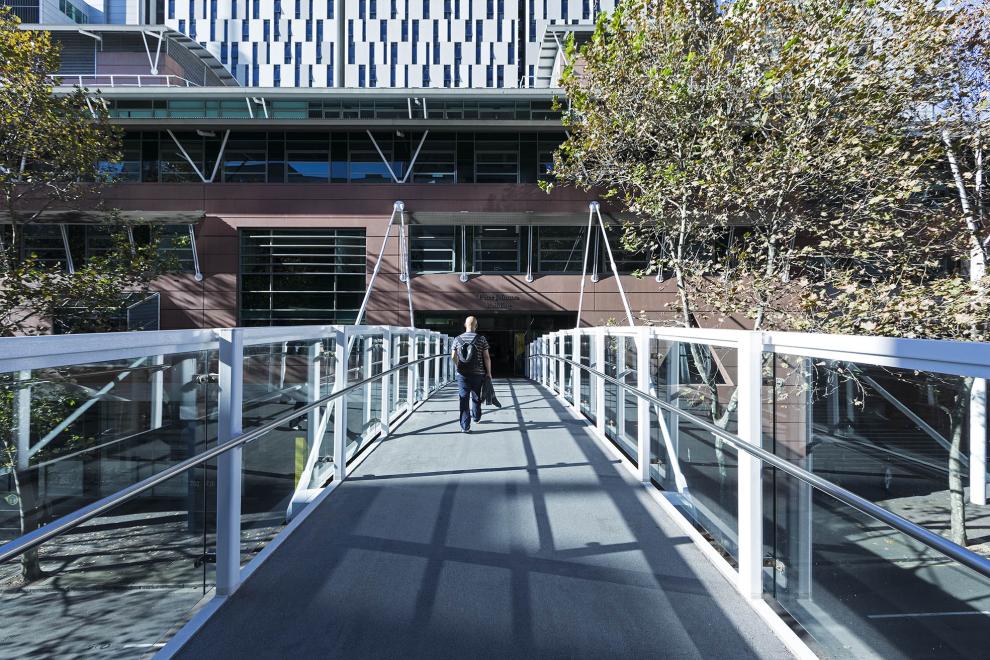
(470, 324)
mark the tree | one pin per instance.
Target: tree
(773, 156)
(909, 297)
(51, 148)
(51, 151)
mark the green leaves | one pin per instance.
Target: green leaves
(798, 119)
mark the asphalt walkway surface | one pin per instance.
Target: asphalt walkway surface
(524, 538)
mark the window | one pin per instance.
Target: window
(307, 158)
(434, 249)
(495, 249)
(173, 164)
(129, 167)
(174, 240)
(46, 244)
(245, 158)
(625, 261)
(496, 159)
(365, 164)
(296, 276)
(561, 249)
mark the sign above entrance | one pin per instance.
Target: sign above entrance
(497, 300)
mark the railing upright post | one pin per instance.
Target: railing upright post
(435, 364)
(427, 367)
(599, 383)
(643, 406)
(750, 535)
(340, 405)
(978, 442)
(230, 410)
(413, 371)
(620, 393)
(576, 374)
(386, 380)
(313, 351)
(367, 370)
(157, 392)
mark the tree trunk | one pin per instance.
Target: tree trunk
(957, 489)
(28, 518)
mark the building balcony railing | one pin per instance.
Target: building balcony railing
(121, 80)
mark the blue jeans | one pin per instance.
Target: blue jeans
(469, 391)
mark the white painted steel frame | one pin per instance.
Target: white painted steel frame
(966, 359)
(229, 343)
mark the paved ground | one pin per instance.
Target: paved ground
(521, 539)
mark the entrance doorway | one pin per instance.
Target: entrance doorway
(508, 334)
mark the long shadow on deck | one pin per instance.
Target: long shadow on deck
(521, 539)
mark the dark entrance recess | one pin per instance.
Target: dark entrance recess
(507, 333)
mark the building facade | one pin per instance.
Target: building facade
(349, 43)
(278, 201)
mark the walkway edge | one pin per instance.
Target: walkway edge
(777, 625)
(201, 616)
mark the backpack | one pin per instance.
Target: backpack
(465, 354)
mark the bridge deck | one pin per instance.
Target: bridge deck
(524, 538)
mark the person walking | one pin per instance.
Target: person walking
(474, 365)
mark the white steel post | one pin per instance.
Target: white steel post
(576, 374)
(340, 405)
(643, 406)
(673, 395)
(750, 537)
(367, 370)
(620, 393)
(555, 364)
(230, 409)
(413, 369)
(157, 392)
(313, 394)
(599, 383)
(435, 364)
(428, 349)
(386, 380)
(978, 442)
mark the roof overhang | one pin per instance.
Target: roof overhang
(488, 218)
(78, 217)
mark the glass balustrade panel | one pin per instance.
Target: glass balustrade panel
(899, 438)
(860, 588)
(118, 584)
(72, 435)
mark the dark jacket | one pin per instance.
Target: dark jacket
(488, 394)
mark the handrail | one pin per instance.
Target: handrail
(966, 557)
(43, 534)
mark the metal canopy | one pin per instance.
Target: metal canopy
(77, 217)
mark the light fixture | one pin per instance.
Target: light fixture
(202, 133)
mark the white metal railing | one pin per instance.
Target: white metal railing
(120, 80)
(419, 374)
(586, 366)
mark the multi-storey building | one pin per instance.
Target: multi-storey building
(289, 195)
(348, 43)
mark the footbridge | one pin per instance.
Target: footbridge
(307, 492)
